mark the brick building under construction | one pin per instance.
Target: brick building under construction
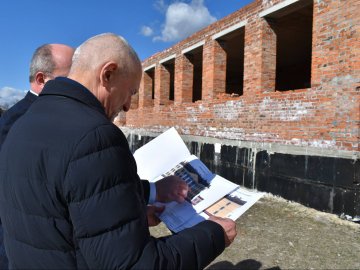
(268, 97)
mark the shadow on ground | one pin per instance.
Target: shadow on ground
(248, 264)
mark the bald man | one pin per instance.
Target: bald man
(71, 190)
(48, 62)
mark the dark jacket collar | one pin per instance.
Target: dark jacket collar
(30, 96)
(66, 87)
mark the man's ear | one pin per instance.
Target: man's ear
(40, 78)
(107, 73)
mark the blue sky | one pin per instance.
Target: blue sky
(150, 26)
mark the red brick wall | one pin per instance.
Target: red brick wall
(183, 80)
(327, 115)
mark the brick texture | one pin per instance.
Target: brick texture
(324, 115)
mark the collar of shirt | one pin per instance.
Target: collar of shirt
(32, 92)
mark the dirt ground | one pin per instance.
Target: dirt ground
(277, 234)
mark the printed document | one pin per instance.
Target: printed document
(208, 193)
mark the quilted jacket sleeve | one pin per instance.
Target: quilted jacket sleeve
(108, 212)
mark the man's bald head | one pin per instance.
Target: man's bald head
(110, 68)
(49, 61)
(104, 48)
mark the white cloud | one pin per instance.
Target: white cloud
(9, 96)
(184, 19)
(146, 31)
(160, 5)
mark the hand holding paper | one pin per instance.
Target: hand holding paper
(192, 192)
(153, 212)
(229, 227)
(171, 188)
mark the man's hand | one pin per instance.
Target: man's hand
(229, 227)
(152, 214)
(171, 188)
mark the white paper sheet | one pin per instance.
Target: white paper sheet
(160, 155)
(209, 193)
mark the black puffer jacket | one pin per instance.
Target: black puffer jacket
(70, 196)
(9, 117)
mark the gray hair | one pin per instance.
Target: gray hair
(42, 61)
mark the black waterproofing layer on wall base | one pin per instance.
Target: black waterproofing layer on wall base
(328, 184)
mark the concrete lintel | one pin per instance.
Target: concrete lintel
(149, 67)
(167, 58)
(192, 47)
(229, 29)
(277, 7)
(270, 147)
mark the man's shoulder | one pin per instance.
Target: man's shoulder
(106, 134)
(13, 113)
(101, 142)
(79, 122)
(20, 107)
